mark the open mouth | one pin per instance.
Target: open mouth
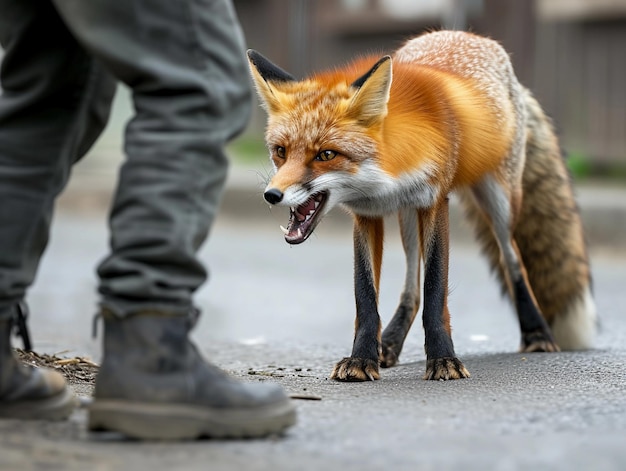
(304, 218)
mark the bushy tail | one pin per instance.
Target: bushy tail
(550, 237)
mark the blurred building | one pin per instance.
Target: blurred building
(571, 53)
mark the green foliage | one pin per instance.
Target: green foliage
(579, 165)
(584, 167)
(247, 149)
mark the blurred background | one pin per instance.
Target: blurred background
(570, 53)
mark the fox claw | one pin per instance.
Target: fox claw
(388, 355)
(356, 369)
(443, 369)
(538, 341)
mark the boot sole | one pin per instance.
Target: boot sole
(58, 407)
(185, 422)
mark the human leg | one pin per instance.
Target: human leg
(185, 66)
(55, 102)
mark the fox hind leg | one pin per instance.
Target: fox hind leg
(500, 208)
(396, 331)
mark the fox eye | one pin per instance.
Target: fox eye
(280, 152)
(326, 155)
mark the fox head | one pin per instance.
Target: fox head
(323, 134)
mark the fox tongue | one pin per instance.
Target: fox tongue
(303, 219)
(303, 211)
(296, 231)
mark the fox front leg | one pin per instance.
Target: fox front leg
(441, 361)
(362, 364)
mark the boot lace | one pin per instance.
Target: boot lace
(20, 316)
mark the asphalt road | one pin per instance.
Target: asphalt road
(285, 314)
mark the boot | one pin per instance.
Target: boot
(154, 385)
(27, 392)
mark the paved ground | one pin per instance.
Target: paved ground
(281, 313)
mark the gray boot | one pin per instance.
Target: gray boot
(153, 384)
(27, 392)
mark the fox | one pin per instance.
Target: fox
(398, 135)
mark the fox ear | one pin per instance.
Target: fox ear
(369, 103)
(265, 74)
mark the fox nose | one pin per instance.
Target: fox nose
(273, 196)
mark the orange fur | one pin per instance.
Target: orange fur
(429, 109)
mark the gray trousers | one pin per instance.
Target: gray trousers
(184, 62)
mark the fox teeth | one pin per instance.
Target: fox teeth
(299, 232)
(285, 231)
(317, 203)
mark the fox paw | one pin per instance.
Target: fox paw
(355, 369)
(389, 355)
(445, 368)
(538, 341)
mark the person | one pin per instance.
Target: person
(185, 64)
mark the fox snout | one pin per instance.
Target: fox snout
(273, 196)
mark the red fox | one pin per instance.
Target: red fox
(445, 113)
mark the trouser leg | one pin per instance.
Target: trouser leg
(184, 62)
(54, 104)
